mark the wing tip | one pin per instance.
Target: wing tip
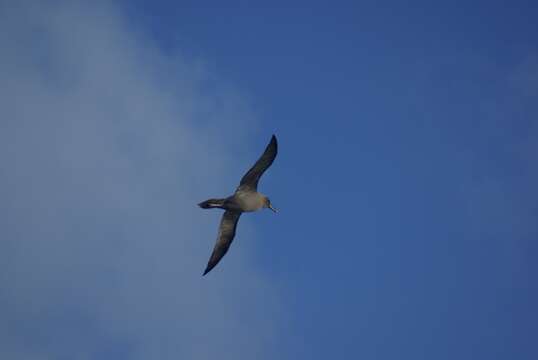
(208, 268)
(274, 141)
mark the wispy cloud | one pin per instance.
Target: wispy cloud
(106, 145)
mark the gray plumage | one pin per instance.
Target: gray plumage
(245, 199)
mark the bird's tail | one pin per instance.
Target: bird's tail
(212, 203)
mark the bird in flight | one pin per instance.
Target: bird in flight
(245, 199)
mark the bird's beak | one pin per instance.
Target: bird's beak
(272, 208)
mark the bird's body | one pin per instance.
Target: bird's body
(245, 199)
(241, 201)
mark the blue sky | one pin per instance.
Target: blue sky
(406, 180)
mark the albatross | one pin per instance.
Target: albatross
(245, 199)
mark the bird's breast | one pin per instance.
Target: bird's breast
(249, 201)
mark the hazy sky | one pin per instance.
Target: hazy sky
(406, 180)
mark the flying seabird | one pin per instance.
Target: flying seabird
(245, 199)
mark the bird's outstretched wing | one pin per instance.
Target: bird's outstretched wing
(251, 178)
(224, 239)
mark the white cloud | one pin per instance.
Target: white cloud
(106, 146)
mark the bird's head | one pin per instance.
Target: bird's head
(267, 204)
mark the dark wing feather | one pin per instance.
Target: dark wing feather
(251, 178)
(224, 239)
